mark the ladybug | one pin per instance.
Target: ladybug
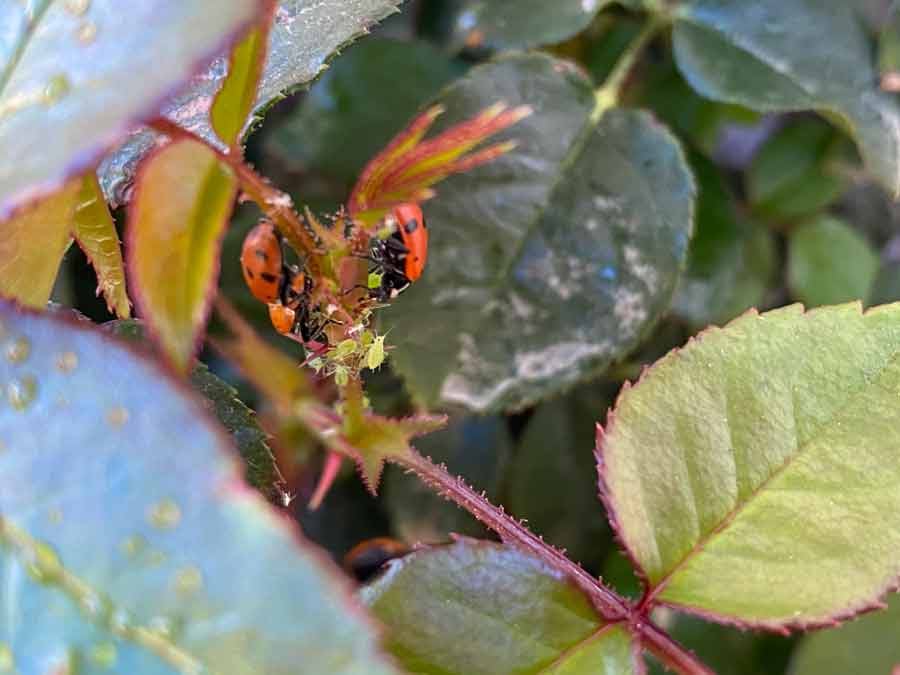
(367, 558)
(291, 314)
(401, 256)
(262, 262)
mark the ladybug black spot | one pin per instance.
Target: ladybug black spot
(411, 226)
(249, 273)
(270, 278)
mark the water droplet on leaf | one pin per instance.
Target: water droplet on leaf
(44, 565)
(17, 349)
(117, 416)
(133, 545)
(87, 32)
(188, 580)
(165, 514)
(56, 88)
(78, 7)
(67, 362)
(21, 392)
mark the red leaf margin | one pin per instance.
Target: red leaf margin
(608, 500)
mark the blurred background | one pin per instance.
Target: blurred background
(784, 215)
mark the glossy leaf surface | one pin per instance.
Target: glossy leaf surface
(752, 474)
(303, 36)
(69, 85)
(138, 573)
(770, 55)
(183, 201)
(478, 607)
(235, 99)
(551, 260)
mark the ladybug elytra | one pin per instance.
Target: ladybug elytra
(401, 256)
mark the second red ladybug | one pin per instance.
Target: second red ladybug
(400, 257)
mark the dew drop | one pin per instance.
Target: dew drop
(66, 362)
(94, 606)
(21, 392)
(56, 88)
(7, 662)
(17, 350)
(44, 565)
(188, 580)
(104, 654)
(120, 622)
(117, 416)
(87, 32)
(164, 515)
(133, 546)
(78, 7)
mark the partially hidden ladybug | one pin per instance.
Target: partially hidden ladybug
(285, 289)
(401, 257)
(367, 558)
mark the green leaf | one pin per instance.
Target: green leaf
(95, 231)
(358, 105)
(129, 542)
(773, 56)
(183, 200)
(552, 260)
(477, 448)
(32, 244)
(499, 24)
(789, 177)
(303, 37)
(829, 263)
(77, 74)
(479, 607)
(868, 645)
(752, 474)
(234, 101)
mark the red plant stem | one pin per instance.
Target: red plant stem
(612, 607)
(275, 204)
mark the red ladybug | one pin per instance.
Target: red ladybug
(401, 257)
(263, 262)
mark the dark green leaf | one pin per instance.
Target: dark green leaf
(552, 260)
(500, 24)
(478, 607)
(868, 645)
(783, 55)
(302, 38)
(129, 541)
(830, 263)
(78, 73)
(357, 106)
(790, 178)
(475, 448)
(752, 474)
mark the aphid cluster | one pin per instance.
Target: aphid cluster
(397, 253)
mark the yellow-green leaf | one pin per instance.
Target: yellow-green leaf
(183, 199)
(32, 244)
(234, 101)
(95, 232)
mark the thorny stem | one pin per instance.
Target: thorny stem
(612, 607)
(607, 95)
(275, 204)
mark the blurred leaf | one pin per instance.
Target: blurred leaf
(182, 204)
(32, 244)
(784, 55)
(358, 105)
(500, 24)
(751, 474)
(137, 573)
(867, 645)
(731, 263)
(552, 261)
(222, 400)
(70, 77)
(95, 231)
(789, 177)
(232, 105)
(553, 481)
(886, 287)
(302, 38)
(479, 607)
(830, 263)
(889, 52)
(473, 447)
